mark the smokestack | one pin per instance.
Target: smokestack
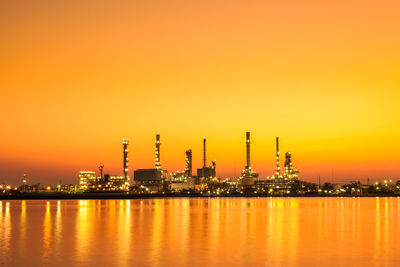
(157, 151)
(277, 144)
(247, 150)
(204, 152)
(102, 166)
(125, 160)
(278, 169)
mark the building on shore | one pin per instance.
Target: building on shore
(89, 182)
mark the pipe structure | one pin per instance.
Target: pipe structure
(157, 151)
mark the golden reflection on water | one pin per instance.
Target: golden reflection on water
(47, 234)
(23, 224)
(124, 239)
(58, 228)
(201, 231)
(83, 231)
(5, 228)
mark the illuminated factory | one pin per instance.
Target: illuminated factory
(248, 177)
(157, 180)
(89, 182)
(289, 172)
(152, 180)
(184, 180)
(282, 183)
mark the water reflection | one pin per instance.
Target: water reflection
(58, 228)
(83, 231)
(124, 226)
(5, 229)
(23, 225)
(198, 232)
(47, 235)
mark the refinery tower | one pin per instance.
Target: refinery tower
(206, 173)
(248, 176)
(289, 172)
(188, 163)
(157, 153)
(125, 160)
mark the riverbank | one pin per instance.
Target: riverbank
(27, 196)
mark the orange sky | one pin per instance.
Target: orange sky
(78, 76)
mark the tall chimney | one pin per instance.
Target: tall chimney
(125, 160)
(157, 151)
(278, 169)
(247, 150)
(204, 152)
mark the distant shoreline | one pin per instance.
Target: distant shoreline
(54, 196)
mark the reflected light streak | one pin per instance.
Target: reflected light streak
(157, 231)
(58, 227)
(124, 235)
(82, 232)
(23, 224)
(47, 235)
(5, 231)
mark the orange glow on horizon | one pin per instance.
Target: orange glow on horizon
(76, 78)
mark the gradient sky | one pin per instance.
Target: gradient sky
(78, 76)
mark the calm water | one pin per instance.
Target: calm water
(200, 232)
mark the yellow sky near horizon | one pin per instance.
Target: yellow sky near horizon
(75, 78)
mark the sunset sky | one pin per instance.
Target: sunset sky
(78, 76)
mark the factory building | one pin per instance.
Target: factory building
(152, 179)
(87, 179)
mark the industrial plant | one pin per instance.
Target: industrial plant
(206, 180)
(158, 181)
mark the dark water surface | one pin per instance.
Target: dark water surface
(201, 232)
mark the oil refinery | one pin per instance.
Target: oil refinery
(206, 180)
